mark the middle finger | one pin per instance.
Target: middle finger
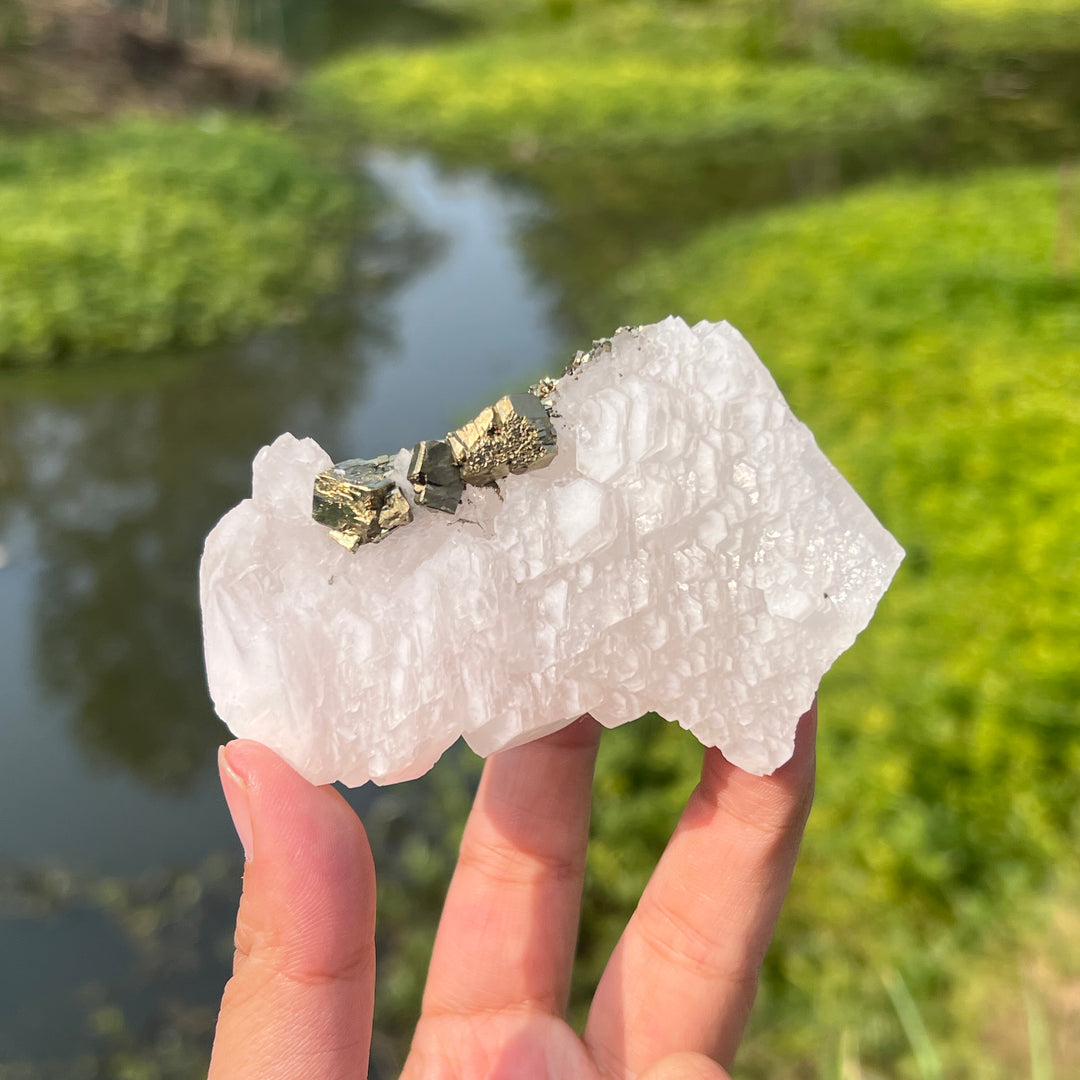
(507, 934)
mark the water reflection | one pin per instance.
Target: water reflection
(603, 212)
(609, 210)
(118, 489)
(109, 481)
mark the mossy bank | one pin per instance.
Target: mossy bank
(509, 99)
(146, 233)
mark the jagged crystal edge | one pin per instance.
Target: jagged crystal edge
(689, 551)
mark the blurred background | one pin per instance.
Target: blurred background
(361, 220)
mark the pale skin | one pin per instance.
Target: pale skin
(677, 991)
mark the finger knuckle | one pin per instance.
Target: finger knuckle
(508, 864)
(767, 808)
(295, 959)
(703, 952)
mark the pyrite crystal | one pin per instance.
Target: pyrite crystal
(359, 501)
(512, 436)
(435, 477)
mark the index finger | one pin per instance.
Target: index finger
(684, 974)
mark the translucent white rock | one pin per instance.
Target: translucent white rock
(689, 551)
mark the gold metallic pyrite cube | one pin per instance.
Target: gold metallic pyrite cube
(359, 501)
(434, 476)
(512, 436)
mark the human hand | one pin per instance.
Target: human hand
(673, 999)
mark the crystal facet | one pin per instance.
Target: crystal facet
(512, 436)
(435, 478)
(690, 551)
(360, 501)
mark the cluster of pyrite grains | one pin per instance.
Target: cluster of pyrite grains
(359, 501)
(512, 436)
(690, 551)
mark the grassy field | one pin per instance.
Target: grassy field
(875, 27)
(141, 234)
(995, 79)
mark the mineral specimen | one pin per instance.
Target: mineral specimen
(360, 501)
(690, 551)
(435, 477)
(512, 436)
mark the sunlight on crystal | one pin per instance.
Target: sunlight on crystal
(689, 550)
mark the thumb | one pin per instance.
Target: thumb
(685, 1066)
(299, 1002)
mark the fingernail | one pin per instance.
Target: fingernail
(236, 798)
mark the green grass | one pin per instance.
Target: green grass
(1010, 24)
(930, 336)
(524, 96)
(148, 233)
(929, 32)
(890, 29)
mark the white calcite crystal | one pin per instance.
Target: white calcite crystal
(690, 550)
